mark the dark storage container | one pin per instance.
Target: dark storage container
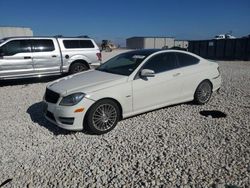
(229, 49)
(197, 47)
(247, 53)
(203, 49)
(240, 48)
(211, 49)
(222, 49)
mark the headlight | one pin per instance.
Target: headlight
(72, 99)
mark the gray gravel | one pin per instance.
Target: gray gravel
(169, 147)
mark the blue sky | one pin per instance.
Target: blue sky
(120, 19)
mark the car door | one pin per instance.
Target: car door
(16, 58)
(46, 56)
(163, 88)
(192, 74)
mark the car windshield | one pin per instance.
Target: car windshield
(124, 64)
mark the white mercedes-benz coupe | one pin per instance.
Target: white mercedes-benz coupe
(128, 84)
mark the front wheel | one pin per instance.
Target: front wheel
(103, 116)
(203, 92)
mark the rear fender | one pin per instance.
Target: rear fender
(74, 58)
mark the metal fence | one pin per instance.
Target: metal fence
(223, 49)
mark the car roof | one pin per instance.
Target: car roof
(146, 52)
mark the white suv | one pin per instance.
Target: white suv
(41, 56)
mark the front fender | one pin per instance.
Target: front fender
(122, 93)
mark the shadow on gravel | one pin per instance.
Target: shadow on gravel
(224, 186)
(5, 182)
(27, 81)
(213, 113)
(36, 114)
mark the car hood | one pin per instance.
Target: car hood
(86, 82)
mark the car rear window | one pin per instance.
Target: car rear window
(78, 44)
(186, 60)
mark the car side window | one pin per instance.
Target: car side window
(86, 44)
(15, 46)
(68, 44)
(186, 60)
(161, 62)
(43, 45)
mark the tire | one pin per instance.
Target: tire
(203, 92)
(77, 67)
(103, 116)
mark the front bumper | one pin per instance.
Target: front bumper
(65, 116)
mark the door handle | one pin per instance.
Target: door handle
(54, 56)
(176, 74)
(27, 57)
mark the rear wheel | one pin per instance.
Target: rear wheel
(203, 92)
(103, 116)
(77, 67)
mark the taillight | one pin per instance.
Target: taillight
(99, 56)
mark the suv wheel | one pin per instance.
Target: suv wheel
(77, 67)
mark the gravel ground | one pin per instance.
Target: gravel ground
(170, 147)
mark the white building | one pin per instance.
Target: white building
(149, 42)
(181, 43)
(154, 42)
(15, 31)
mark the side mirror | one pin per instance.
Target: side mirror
(147, 73)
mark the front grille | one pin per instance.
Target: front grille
(50, 115)
(51, 96)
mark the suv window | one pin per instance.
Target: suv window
(78, 44)
(15, 46)
(186, 60)
(43, 45)
(162, 62)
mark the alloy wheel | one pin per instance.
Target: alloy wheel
(104, 117)
(204, 92)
